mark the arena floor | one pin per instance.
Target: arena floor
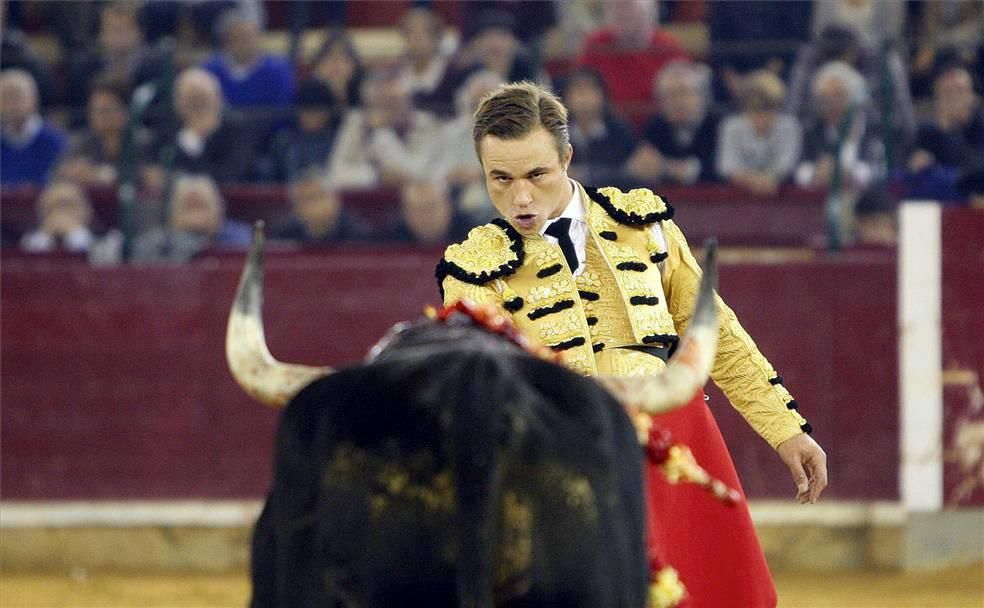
(963, 588)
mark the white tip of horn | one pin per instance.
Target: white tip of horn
(690, 365)
(254, 368)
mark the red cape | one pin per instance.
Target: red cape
(714, 547)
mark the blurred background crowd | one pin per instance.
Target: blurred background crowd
(351, 121)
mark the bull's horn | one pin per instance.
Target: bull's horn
(254, 368)
(690, 365)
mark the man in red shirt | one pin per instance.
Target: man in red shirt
(629, 52)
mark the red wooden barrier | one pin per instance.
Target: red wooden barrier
(792, 217)
(963, 357)
(115, 384)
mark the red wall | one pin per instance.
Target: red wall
(963, 357)
(115, 385)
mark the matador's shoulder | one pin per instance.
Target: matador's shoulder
(491, 251)
(637, 207)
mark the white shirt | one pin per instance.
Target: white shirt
(579, 228)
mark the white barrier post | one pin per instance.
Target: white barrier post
(920, 368)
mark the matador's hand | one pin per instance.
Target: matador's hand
(808, 463)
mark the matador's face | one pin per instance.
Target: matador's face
(526, 178)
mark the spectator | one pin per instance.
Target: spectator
(195, 21)
(206, 140)
(837, 129)
(427, 216)
(955, 135)
(948, 32)
(249, 77)
(876, 21)
(890, 112)
(575, 20)
(337, 64)
(603, 142)
(309, 140)
(754, 35)
(493, 46)
(318, 215)
(953, 141)
(29, 147)
(96, 156)
(679, 145)
(630, 52)
(758, 148)
(121, 54)
(16, 53)
(424, 66)
(388, 142)
(64, 217)
(458, 164)
(197, 222)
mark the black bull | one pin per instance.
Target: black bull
(453, 470)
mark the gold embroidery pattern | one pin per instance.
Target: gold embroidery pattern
(486, 249)
(626, 363)
(543, 254)
(621, 253)
(613, 322)
(653, 319)
(579, 360)
(556, 290)
(640, 201)
(602, 222)
(455, 290)
(559, 327)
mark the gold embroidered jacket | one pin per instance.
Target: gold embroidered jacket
(638, 287)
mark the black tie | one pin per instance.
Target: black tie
(561, 230)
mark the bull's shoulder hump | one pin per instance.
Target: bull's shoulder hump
(491, 251)
(637, 207)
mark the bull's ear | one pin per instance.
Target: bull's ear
(254, 368)
(688, 370)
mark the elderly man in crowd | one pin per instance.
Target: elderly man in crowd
(249, 77)
(837, 133)
(206, 139)
(388, 142)
(29, 146)
(679, 144)
(197, 222)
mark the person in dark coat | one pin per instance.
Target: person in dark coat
(679, 145)
(310, 139)
(206, 138)
(604, 142)
(318, 216)
(427, 216)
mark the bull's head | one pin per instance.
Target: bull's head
(274, 383)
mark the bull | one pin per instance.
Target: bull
(453, 467)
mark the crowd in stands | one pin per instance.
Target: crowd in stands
(170, 101)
